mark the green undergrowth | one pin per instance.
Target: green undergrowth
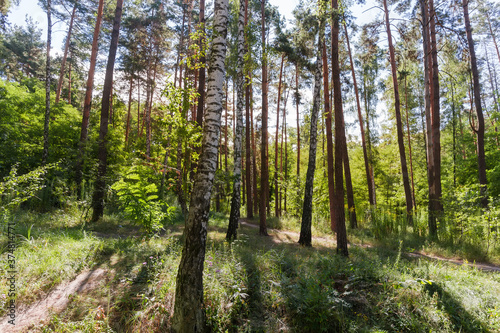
(50, 249)
(255, 284)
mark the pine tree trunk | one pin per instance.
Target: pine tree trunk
(348, 187)
(399, 125)
(254, 156)
(69, 81)
(189, 315)
(100, 184)
(436, 120)
(340, 141)
(45, 153)
(298, 118)
(248, 130)
(410, 155)
(428, 117)
(87, 102)
(65, 56)
(369, 180)
(240, 83)
(329, 135)
(305, 227)
(276, 185)
(483, 183)
(129, 108)
(264, 178)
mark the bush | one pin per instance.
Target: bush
(138, 200)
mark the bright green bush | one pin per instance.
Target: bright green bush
(139, 202)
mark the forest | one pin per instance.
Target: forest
(192, 166)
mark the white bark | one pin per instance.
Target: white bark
(188, 311)
(240, 80)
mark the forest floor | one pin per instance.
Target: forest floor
(108, 278)
(292, 236)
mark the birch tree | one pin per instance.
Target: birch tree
(240, 82)
(188, 309)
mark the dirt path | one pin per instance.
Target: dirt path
(292, 237)
(55, 302)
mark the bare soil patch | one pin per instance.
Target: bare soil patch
(54, 302)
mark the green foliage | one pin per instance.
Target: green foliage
(138, 200)
(15, 189)
(21, 127)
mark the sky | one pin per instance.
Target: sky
(59, 31)
(31, 8)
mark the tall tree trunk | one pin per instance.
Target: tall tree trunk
(329, 134)
(297, 100)
(428, 116)
(492, 34)
(127, 130)
(240, 83)
(254, 155)
(69, 80)
(100, 184)
(305, 226)
(189, 315)
(481, 158)
(165, 165)
(409, 144)
(45, 153)
(65, 56)
(248, 151)
(264, 178)
(369, 181)
(87, 104)
(368, 141)
(340, 141)
(139, 104)
(201, 86)
(436, 120)
(349, 189)
(276, 185)
(399, 125)
(147, 110)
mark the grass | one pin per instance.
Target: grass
(255, 284)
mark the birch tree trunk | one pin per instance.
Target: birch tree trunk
(100, 184)
(305, 227)
(188, 310)
(240, 82)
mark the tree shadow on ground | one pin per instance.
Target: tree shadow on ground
(254, 283)
(461, 319)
